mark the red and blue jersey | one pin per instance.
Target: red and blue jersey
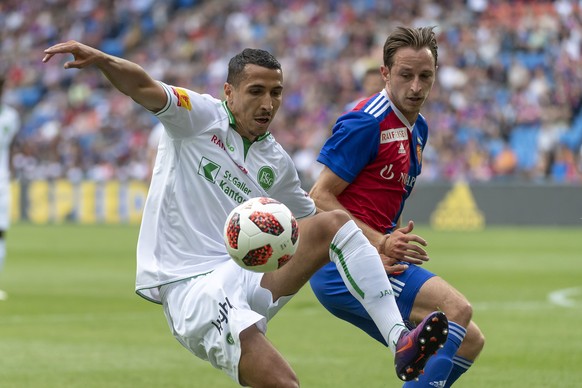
(376, 150)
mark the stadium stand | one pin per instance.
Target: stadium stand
(504, 68)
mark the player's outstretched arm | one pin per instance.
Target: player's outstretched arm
(128, 77)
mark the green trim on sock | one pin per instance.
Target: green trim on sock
(342, 261)
(390, 332)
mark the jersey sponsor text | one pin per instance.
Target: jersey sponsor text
(407, 180)
(394, 134)
(218, 142)
(226, 185)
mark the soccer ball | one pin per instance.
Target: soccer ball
(261, 234)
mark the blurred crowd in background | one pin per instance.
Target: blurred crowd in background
(506, 105)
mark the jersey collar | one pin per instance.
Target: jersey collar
(231, 120)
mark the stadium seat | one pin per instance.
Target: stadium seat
(524, 142)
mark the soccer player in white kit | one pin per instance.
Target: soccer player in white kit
(213, 156)
(9, 125)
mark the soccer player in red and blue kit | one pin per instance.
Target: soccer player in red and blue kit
(371, 162)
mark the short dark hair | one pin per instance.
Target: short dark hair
(415, 38)
(249, 56)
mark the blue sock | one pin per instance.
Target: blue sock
(460, 366)
(437, 369)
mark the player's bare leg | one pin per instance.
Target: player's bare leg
(437, 294)
(333, 235)
(465, 340)
(315, 236)
(473, 343)
(261, 365)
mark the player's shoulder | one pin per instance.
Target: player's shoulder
(185, 98)
(357, 121)
(270, 143)
(369, 111)
(374, 105)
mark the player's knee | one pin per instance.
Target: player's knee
(466, 311)
(334, 220)
(325, 225)
(460, 312)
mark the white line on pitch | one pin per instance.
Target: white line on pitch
(567, 297)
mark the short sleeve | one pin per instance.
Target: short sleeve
(188, 113)
(353, 144)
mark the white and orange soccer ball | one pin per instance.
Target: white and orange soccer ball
(261, 234)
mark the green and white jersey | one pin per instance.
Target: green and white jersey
(203, 170)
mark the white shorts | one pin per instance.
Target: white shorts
(207, 313)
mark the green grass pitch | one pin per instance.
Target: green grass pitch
(72, 319)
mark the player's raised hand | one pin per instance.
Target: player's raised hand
(402, 245)
(83, 54)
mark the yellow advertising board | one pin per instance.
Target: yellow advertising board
(86, 202)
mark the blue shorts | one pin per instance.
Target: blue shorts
(332, 293)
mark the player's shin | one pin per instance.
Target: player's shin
(364, 275)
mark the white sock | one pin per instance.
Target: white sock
(362, 271)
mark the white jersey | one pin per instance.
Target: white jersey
(154, 137)
(204, 169)
(9, 125)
